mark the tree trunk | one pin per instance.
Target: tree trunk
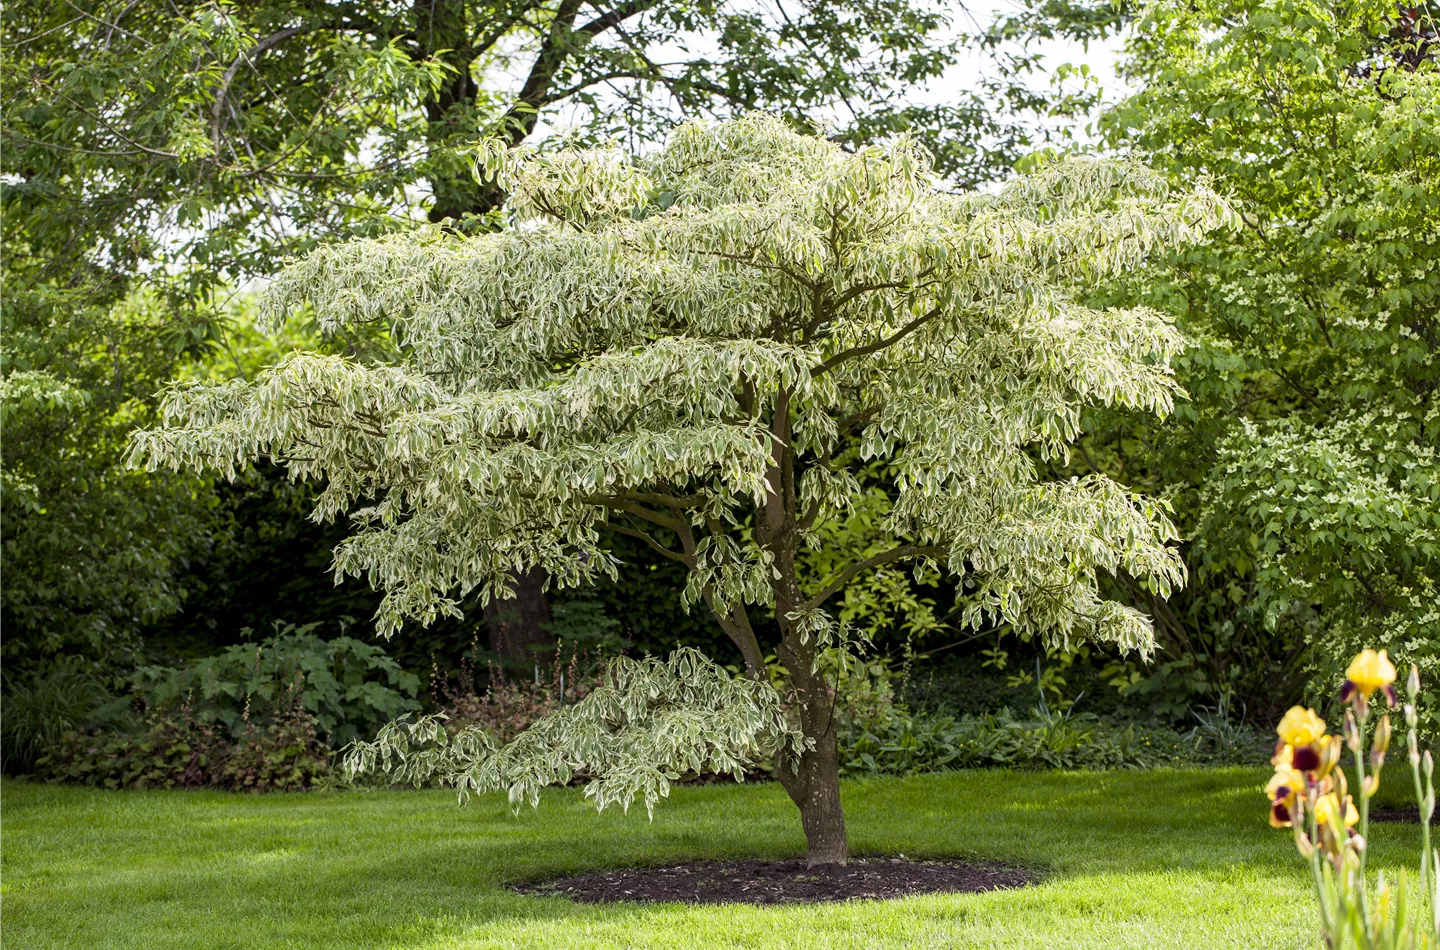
(520, 626)
(815, 789)
(814, 786)
(442, 30)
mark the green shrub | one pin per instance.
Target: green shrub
(172, 750)
(905, 743)
(350, 688)
(258, 717)
(43, 705)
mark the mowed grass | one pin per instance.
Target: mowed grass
(1159, 859)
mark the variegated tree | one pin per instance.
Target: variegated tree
(700, 348)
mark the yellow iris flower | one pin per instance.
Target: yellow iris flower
(1300, 727)
(1327, 811)
(1282, 790)
(1369, 671)
(1285, 784)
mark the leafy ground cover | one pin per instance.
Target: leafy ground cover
(1164, 858)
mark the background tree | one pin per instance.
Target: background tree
(90, 549)
(188, 147)
(673, 349)
(1305, 459)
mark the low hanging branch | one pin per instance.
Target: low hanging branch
(904, 552)
(649, 723)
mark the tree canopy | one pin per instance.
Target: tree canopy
(218, 136)
(90, 548)
(674, 347)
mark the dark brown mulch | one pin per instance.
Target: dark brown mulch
(1410, 815)
(782, 882)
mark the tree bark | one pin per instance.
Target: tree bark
(814, 787)
(820, 814)
(813, 784)
(520, 626)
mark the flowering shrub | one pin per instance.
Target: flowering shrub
(1311, 794)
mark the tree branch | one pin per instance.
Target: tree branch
(855, 291)
(482, 42)
(847, 575)
(217, 111)
(737, 624)
(519, 120)
(880, 344)
(632, 508)
(656, 546)
(616, 16)
(678, 502)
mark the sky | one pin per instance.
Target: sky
(1101, 56)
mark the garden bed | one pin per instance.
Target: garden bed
(782, 882)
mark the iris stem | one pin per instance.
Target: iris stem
(1424, 825)
(1325, 926)
(1363, 883)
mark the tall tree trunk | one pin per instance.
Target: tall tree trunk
(443, 25)
(442, 30)
(815, 785)
(520, 626)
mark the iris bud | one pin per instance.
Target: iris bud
(1302, 843)
(1352, 732)
(1329, 748)
(1381, 742)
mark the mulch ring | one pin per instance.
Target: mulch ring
(782, 882)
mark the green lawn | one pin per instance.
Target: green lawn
(1162, 859)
